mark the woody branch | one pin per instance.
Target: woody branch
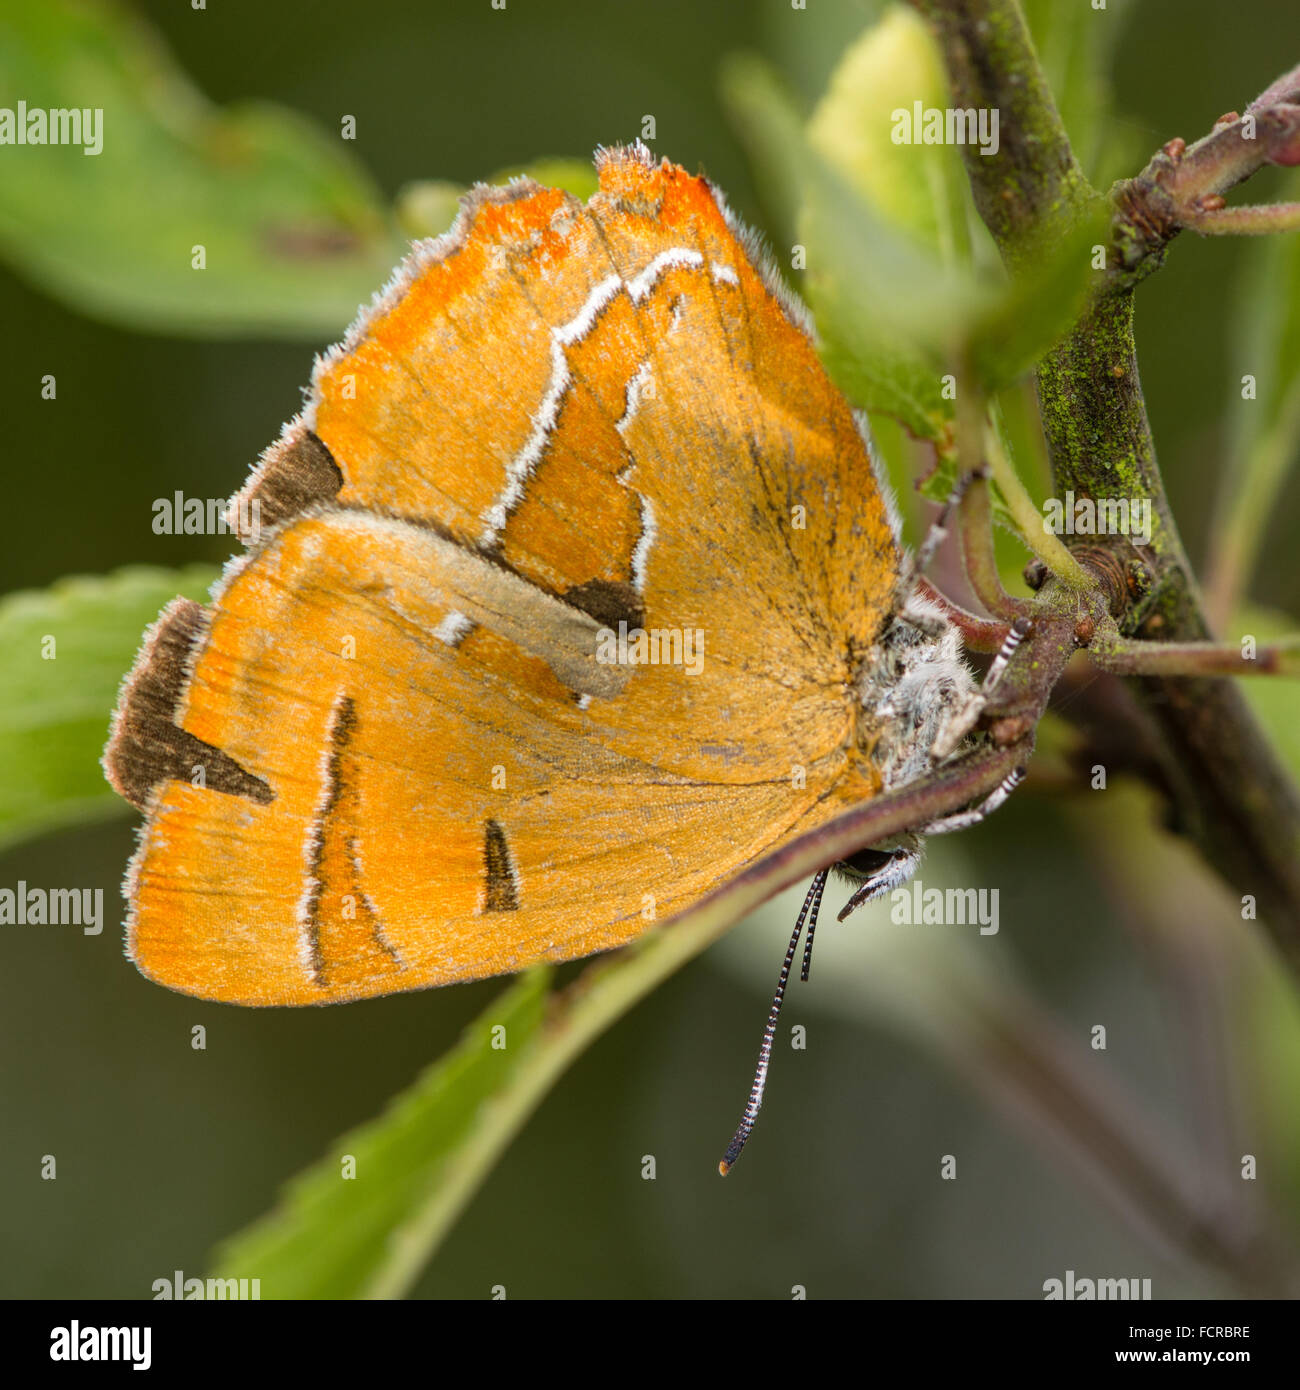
(1227, 791)
(1183, 185)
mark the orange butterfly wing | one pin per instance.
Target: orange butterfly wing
(560, 424)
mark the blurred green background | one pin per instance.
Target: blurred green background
(162, 1150)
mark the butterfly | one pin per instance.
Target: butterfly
(572, 593)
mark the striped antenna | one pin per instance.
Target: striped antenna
(1018, 632)
(809, 912)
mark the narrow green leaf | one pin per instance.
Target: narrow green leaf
(419, 1165)
(1264, 414)
(345, 1232)
(1272, 698)
(65, 650)
(291, 231)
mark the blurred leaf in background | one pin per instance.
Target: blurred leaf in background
(427, 207)
(292, 233)
(1263, 409)
(902, 303)
(66, 651)
(921, 189)
(883, 302)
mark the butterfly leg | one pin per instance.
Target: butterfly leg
(970, 500)
(977, 634)
(934, 537)
(1016, 634)
(965, 716)
(964, 819)
(912, 585)
(961, 720)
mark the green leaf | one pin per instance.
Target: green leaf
(1264, 425)
(65, 650)
(886, 309)
(428, 207)
(890, 380)
(1035, 308)
(576, 176)
(293, 233)
(419, 1164)
(918, 188)
(893, 317)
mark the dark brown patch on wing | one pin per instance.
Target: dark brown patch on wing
(608, 601)
(296, 472)
(344, 933)
(498, 870)
(342, 726)
(146, 745)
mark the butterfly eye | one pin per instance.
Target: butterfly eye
(866, 862)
